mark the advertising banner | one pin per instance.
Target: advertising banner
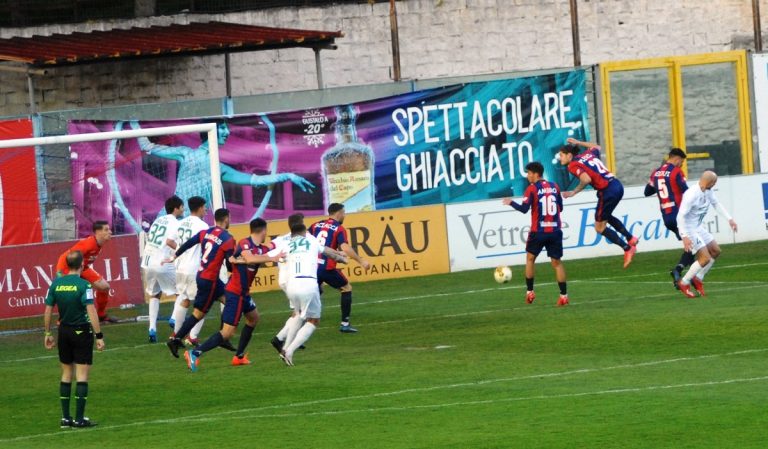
(398, 243)
(487, 234)
(19, 202)
(28, 271)
(458, 143)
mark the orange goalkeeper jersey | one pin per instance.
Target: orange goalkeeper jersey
(90, 249)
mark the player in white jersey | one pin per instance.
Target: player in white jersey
(696, 238)
(301, 253)
(159, 276)
(187, 266)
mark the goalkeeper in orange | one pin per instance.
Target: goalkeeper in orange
(90, 247)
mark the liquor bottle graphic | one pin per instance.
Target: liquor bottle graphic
(348, 166)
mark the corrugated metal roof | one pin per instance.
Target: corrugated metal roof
(156, 41)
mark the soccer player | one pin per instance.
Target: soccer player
(194, 168)
(332, 234)
(303, 291)
(544, 201)
(696, 237)
(238, 298)
(590, 170)
(160, 277)
(668, 183)
(90, 247)
(187, 265)
(79, 324)
(217, 245)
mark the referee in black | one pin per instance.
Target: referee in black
(79, 324)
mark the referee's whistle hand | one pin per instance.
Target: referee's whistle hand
(49, 342)
(100, 345)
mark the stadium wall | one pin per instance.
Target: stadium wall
(463, 37)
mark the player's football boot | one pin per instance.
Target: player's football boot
(530, 297)
(288, 360)
(228, 346)
(628, 255)
(698, 285)
(189, 341)
(633, 241)
(174, 344)
(562, 301)
(66, 423)
(277, 344)
(172, 323)
(675, 278)
(193, 361)
(686, 290)
(238, 361)
(347, 329)
(85, 422)
(152, 336)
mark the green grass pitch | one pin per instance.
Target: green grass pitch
(453, 361)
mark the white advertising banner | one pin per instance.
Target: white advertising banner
(760, 84)
(487, 234)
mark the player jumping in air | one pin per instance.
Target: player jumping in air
(90, 247)
(544, 201)
(332, 234)
(238, 298)
(160, 277)
(187, 265)
(590, 170)
(696, 237)
(668, 183)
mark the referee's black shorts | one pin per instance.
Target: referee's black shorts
(75, 344)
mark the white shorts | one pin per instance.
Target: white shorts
(304, 296)
(700, 238)
(160, 279)
(186, 285)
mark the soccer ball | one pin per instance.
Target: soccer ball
(502, 274)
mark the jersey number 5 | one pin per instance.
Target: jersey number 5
(662, 189)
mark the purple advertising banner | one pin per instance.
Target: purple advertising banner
(458, 143)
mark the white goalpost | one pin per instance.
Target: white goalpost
(209, 128)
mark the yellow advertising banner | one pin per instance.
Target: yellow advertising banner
(397, 242)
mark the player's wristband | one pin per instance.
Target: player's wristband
(99, 335)
(48, 333)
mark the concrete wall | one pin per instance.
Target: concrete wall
(438, 38)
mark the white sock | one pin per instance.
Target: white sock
(179, 314)
(693, 271)
(195, 332)
(301, 337)
(283, 334)
(294, 323)
(154, 310)
(705, 269)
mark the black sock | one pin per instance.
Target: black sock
(65, 392)
(346, 306)
(189, 323)
(212, 342)
(686, 259)
(245, 337)
(529, 284)
(81, 394)
(563, 288)
(619, 226)
(614, 238)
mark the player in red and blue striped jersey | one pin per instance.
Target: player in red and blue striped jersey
(332, 234)
(216, 244)
(251, 253)
(590, 170)
(544, 201)
(668, 183)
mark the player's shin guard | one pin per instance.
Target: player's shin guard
(179, 314)
(213, 341)
(294, 323)
(65, 392)
(619, 226)
(195, 332)
(245, 338)
(705, 269)
(563, 288)
(154, 310)
(189, 323)
(301, 337)
(614, 238)
(102, 297)
(346, 307)
(81, 395)
(693, 271)
(529, 284)
(686, 259)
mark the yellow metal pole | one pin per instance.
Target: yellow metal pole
(610, 156)
(745, 122)
(676, 108)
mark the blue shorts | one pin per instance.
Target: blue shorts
(671, 223)
(553, 241)
(608, 199)
(207, 293)
(334, 278)
(235, 307)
